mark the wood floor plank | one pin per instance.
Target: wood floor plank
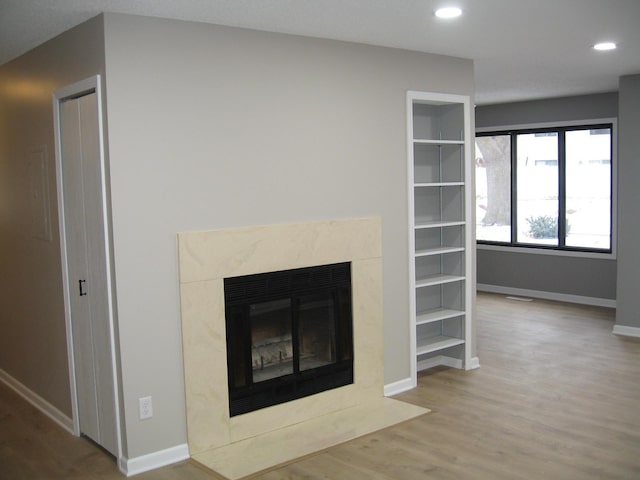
(556, 398)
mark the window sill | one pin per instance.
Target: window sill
(545, 251)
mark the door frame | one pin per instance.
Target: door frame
(75, 90)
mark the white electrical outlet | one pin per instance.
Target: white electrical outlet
(145, 407)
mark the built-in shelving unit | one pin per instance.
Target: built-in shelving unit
(440, 230)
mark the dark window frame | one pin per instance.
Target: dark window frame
(561, 132)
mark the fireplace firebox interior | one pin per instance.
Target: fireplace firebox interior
(289, 335)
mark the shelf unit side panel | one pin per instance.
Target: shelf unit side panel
(411, 221)
(468, 166)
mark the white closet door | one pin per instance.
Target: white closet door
(87, 269)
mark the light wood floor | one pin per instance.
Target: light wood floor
(557, 397)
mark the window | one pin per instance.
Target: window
(546, 188)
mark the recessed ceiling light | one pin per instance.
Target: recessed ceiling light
(448, 12)
(605, 46)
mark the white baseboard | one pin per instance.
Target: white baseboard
(37, 401)
(151, 461)
(560, 297)
(626, 331)
(398, 387)
(474, 362)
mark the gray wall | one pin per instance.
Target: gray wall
(582, 107)
(586, 277)
(556, 274)
(214, 127)
(33, 347)
(628, 306)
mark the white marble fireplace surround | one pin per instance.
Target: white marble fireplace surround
(239, 446)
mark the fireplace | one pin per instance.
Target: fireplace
(241, 445)
(289, 335)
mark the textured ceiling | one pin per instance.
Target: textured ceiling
(522, 49)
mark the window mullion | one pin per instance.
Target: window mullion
(562, 190)
(514, 186)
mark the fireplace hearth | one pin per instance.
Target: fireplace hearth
(289, 335)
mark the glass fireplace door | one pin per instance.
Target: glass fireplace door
(271, 339)
(316, 330)
(289, 335)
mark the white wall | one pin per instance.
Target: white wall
(33, 347)
(215, 127)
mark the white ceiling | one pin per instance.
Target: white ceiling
(522, 49)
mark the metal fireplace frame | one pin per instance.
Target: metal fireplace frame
(333, 281)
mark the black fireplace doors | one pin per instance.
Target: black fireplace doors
(289, 335)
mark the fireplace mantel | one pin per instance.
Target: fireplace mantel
(206, 258)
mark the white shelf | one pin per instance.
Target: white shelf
(437, 315)
(439, 184)
(437, 251)
(428, 141)
(437, 280)
(433, 344)
(437, 223)
(440, 234)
